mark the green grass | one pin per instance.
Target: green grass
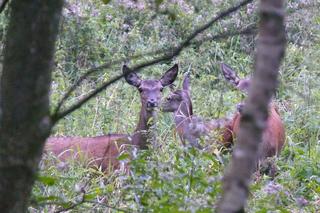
(170, 178)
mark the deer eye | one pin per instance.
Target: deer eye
(161, 89)
(140, 89)
(168, 98)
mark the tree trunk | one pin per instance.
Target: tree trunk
(25, 83)
(270, 51)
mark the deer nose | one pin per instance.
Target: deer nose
(152, 103)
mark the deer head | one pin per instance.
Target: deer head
(151, 90)
(231, 76)
(240, 84)
(273, 136)
(179, 100)
(150, 94)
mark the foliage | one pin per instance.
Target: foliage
(170, 178)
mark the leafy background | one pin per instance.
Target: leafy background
(170, 178)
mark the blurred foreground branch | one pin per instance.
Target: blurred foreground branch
(270, 51)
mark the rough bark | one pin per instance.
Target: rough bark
(270, 51)
(25, 83)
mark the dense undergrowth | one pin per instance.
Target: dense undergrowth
(170, 178)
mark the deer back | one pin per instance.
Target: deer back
(273, 136)
(189, 127)
(100, 151)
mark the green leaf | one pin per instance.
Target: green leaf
(49, 181)
(123, 156)
(159, 2)
(205, 210)
(106, 1)
(172, 16)
(90, 196)
(47, 198)
(109, 188)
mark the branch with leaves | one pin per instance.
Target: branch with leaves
(168, 55)
(83, 200)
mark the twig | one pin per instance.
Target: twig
(3, 5)
(73, 205)
(167, 56)
(246, 31)
(95, 69)
(57, 116)
(108, 206)
(84, 201)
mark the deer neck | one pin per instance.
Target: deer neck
(183, 115)
(145, 130)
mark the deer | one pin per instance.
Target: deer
(103, 151)
(273, 136)
(189, 127)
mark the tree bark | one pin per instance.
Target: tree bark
(25, 84)
(270, 51)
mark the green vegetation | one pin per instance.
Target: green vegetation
(170, 178)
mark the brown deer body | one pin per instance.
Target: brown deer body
(102, 151)
(273, 137)
(189, 127)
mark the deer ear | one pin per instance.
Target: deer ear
(186, 82)
(170, 76)
(229, 74)
(131, 77)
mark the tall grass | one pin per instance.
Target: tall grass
(169, 177)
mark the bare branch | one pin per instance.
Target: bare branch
(270, 51)
(82, 201)
(103, 66)
(108, 206)
(156, 52)
(166, 56)
(251, 30)
(72, 206)
(57, 116)
(246, 31)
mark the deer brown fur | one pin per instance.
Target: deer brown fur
(102, 151)
(189, 127)
(273, 137)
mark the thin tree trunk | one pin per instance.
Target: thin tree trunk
(270, 51)
(25, 83)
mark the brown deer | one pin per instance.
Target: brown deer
(102, 151)
(273, 137)
(189, 127)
